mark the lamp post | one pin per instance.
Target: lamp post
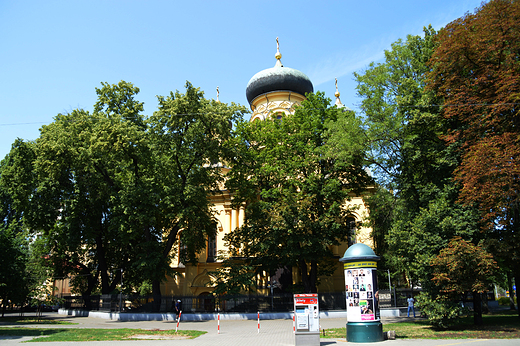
(121, 293)
(272, 285)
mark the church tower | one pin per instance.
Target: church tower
(276, 89)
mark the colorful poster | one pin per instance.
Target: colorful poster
(361, 294)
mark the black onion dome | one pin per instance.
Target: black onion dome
(278, 78)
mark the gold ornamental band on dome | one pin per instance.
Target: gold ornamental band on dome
(360, 264)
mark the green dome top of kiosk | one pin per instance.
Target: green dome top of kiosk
(359, 251)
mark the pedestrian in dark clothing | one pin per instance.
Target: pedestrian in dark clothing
(178, 308)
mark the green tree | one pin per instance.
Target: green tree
(14, 281)
(475, 70)
(40, 276)
(293, 190)
(187, 134)
(463, 267)
(113, 190)
(410, 161)
(79, 166)
(14, 285)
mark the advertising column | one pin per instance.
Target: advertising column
(361, 291)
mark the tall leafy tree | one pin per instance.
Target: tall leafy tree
(463, 267)
(112, 189)
(15, 282)
(476, 71)
(14, 285)
(293, 190)
(409, 159)
(79, 166)
(187, 137)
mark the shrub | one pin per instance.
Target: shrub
(504, 300)
(441, 313)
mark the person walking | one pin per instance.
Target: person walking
(411, 302)
(178, 308)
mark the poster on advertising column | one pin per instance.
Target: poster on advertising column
(361, 293)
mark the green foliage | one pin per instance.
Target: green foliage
(234, 276)
(14, 284)
(145, 288)
(40, 273)
(405, 153)
(479, 53)
(440, 311)
(416, 239)
(505, 300)
(14, 281)
(414, 212)
(187, 135)
(399, 123)
(111, 190)
(293, 188)
(463, 267)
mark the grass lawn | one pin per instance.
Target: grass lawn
(503, 325)
(94, 334)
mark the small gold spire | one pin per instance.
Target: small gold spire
(278, 55)
(338, 101)
(218, 93)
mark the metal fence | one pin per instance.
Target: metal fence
(395, 298)
(210, 303)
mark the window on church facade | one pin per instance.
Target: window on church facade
(212, 249)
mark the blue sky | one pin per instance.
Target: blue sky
(53, 54)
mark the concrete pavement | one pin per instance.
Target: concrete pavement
(234, 332)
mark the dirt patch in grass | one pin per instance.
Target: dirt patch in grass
(31, 320)
(93, 334)
(158, 337)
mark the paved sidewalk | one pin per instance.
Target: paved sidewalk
(234, 332)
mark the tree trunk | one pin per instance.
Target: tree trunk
(156, 292)
(516, 253)
(485, 307)
(314, 277)
(477, 309)
(512, 293)
(102, 264)
(510, 289)
(305, 276)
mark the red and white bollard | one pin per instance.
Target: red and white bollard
(293, 324)
(178, 321)
(258, 321)
(218, 323)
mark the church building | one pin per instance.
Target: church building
(271, 91)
